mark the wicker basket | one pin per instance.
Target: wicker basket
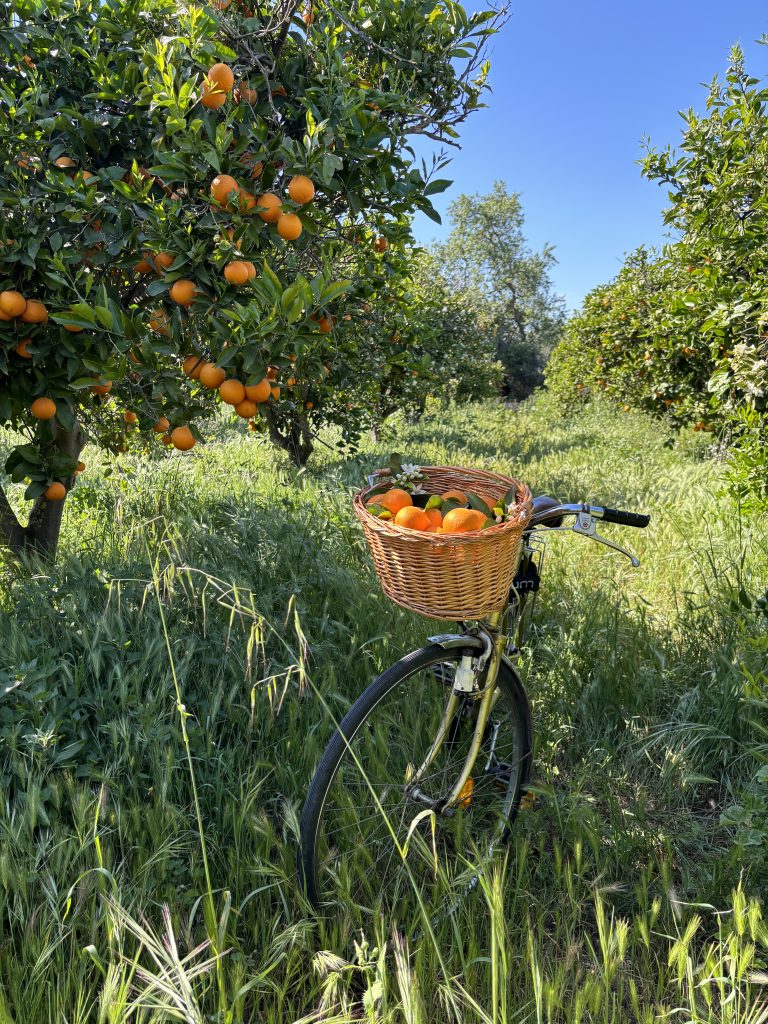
(448, 576)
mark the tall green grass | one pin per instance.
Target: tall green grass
(159, 726)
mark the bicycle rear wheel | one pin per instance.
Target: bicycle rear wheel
(363, 811)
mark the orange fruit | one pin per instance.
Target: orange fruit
(381, 244)
(160, 426)
(21, 349)
(79, 468)
(247, 201)
(163, 260)
(183, 439)
(183, 292)
(310, 405)
(258, 167)
(245, 94)
(289, 226)
(232, 391)
(4, 316)
(211, 376)
(158, 321)
(192, 366)
(12, 303)
(55, 491)
(220, 76)
(412, 518)
(301, 189)
(102, 389)
(246, 408)
(258, 392)
(43, 408)
(143, 266)
(462, 520)
(435, 517)
(130, 417)
(325, 325)
(459, 496)
(236, 272)
(251, 270)
(212, 100)
(90, 178)
(394, 499)
(270, 207)
(64, 161)
(166, 439)
(275, 392)
(271, 373)
(34, 312)
(72, 328)
(221, 186)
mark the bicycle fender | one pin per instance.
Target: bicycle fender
(451, 640)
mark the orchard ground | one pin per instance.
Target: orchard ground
(626, 891)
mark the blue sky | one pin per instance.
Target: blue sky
(576, 88)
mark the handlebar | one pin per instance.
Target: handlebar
(550, 512)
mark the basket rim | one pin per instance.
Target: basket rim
(521, 519)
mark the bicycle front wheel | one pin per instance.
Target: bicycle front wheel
(371, 832)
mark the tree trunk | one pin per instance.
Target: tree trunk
(40, 536)
(296, 438)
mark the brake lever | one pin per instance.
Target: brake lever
(586, 525)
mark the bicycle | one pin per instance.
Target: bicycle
(425, 773)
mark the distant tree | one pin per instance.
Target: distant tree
(487, 258)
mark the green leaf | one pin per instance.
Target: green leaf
(478, 504)
(435, 501)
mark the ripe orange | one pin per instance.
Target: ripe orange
(12, 303)
(270, 207)
(212, 100)
(64, 161)
(35, 312)
(72, 328)
(183, 292)
(79, 468)
(55, 491)
(236, 272)
(192, 366)
(102, 389)
(232, 392)
(247, 201)
(245, 94)
(381, 245)
(301, 189)
(166, 439)
(158, 322)
(221, 77)
(289, 226)
(435, 517)
(211, 376)
(246, 409)
(412, 518)
(456, 496)
(160, 426)
(393, 499)
(325, 325)
(251, 270)
(221, 186)
(258, 167)
(163, 260)
(271, 373)
(462, 520)
(90, 178)
(130, 417)
(275, 392)
(21, 349)
(143, 266)
(258, 392)
(43, 408)
(309, 405)
(183, 439)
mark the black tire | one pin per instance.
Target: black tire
(327, 881)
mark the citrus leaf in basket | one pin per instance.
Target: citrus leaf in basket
(378, 489)
(449, 504)
(379, 511)
(486, 523)
(478, 504)
(435, 501)
(510, 498)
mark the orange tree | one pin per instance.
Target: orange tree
(684, 333)
(180, 186)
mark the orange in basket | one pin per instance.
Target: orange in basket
(452, 576)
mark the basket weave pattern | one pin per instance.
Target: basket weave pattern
(449, 576)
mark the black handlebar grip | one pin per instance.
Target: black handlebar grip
(618, 515)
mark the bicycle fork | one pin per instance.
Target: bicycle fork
(463, 686)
